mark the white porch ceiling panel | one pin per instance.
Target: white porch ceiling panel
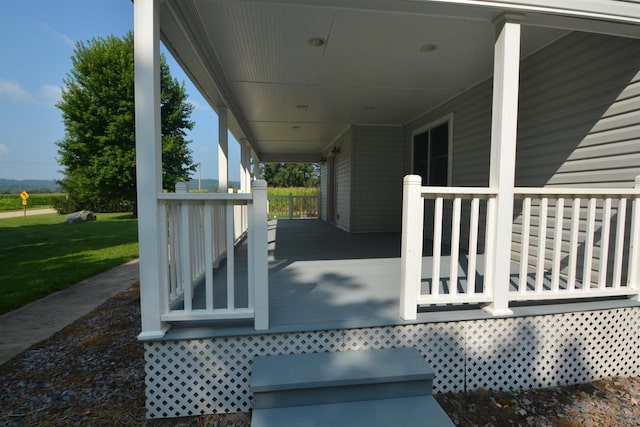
(290, 100)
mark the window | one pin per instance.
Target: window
(431, 154)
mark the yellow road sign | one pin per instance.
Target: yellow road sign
(24, 196)
(24, 202)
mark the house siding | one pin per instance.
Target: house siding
(578, 125)
(377, 179)
(343, 181)
(322, 209)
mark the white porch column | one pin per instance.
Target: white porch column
(634, 250)
(223, 150)
(245, 183)
(506, 69)
(149, 162)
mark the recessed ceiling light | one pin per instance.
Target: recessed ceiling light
(316, 42)
(429, 47)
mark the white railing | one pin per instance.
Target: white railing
(201, 230)
(567, 243)
(465, 227)
(290, 207)
(575, 243)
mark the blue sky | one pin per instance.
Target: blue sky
(37, 38)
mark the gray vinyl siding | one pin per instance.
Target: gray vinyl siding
(322, 209)
(578, 125)
(376, 179)
(579, 119)
(343, 181)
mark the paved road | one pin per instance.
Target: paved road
(30, 212)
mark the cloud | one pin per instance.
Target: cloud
(60, 36)
(198, 106)
(47, 95)
(51, 94)
(4, 149)
(12, 90)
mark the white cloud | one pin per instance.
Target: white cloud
(12, 90)
(48, 95)
(60, 36)
(198, 106)
(51, 94)
(4, 149)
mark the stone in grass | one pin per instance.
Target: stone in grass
(80, 216)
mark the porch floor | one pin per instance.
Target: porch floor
(321, 277)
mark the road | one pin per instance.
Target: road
(30, 212)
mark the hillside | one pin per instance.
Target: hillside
(10, 186)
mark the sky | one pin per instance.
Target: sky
(37, 40)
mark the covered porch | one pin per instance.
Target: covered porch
(321, 278)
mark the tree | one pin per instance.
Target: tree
(291, 174)
(98, 150)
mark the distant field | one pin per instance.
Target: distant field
(40, 254)
(12, 202)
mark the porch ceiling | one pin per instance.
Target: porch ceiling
(290, 100)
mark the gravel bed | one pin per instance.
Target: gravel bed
(92, 373)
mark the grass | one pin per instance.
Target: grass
(13, 202)
(40, 254)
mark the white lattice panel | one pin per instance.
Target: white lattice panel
(212, 375)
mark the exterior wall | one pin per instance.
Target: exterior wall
(578, 125)
(343, 181)
(376, 204)
(323, 191)
(212, 374)
(579, 115)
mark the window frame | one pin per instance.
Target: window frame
(427, 128)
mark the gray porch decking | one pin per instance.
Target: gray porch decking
(321, 277)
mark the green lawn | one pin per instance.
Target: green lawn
(40, 254)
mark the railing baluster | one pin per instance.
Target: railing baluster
(557, 244)
(588, 252)
(231, 302)
(455, 247)
(604, 243)
(437, 242)
(208, 255)
(163, 241)
(185, 249)
(542, 244)
(618, 257)
(473, 246)
(524, 245)
(573, 244)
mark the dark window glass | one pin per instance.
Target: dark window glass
(431, 155)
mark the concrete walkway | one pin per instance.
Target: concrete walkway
(30, 212)
(28, 325)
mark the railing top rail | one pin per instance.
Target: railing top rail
(593, 192)
(205, 196)
(451, 192)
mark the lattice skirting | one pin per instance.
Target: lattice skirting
(212, 375)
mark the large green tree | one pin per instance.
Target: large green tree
(98, 150)
(291, 174)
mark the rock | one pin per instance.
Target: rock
(80, 216)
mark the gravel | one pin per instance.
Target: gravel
(92, 373)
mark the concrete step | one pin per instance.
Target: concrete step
(405, 411)
(326, 378)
